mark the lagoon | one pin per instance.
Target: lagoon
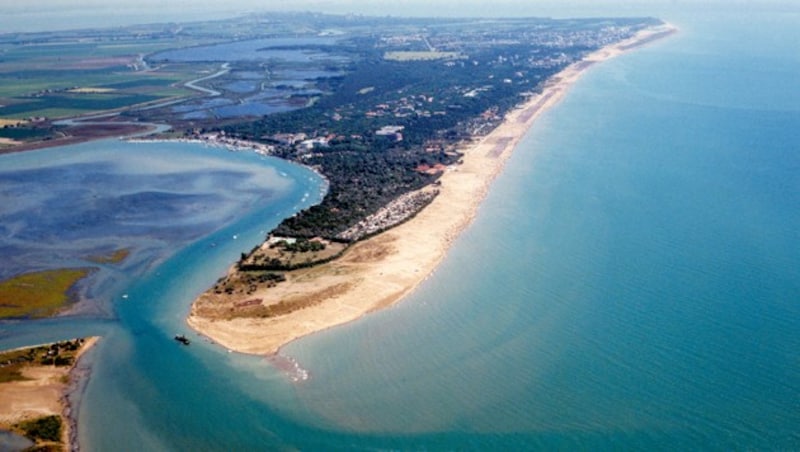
(65, 206)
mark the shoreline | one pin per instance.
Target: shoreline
(76, 139)
(45, 392)
(214, 141)
(378, 272)
(78, 377)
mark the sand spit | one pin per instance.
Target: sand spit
(377, 272)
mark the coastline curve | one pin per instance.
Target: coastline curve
(380, 271)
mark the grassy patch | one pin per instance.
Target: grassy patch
(46, 428)
(171, 92)
(49, 113)
(11, 373)
(62, 353)
(38, 294)
(143, 81)
(115, 257)
(292, 254)
(12, 362)
(23, 133)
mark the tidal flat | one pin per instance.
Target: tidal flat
(79, 222)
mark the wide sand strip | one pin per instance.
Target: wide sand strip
(378, 272)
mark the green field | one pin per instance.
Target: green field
(29, 83)
(73, 102)
(55, 78)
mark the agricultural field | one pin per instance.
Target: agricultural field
(64, 74)
(47, 77)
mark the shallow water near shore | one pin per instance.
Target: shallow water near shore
(631, 281)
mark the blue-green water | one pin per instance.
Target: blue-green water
(631, 282)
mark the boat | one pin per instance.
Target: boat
(182, 339)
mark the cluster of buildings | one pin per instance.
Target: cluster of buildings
(301, 140)
(403, 107)
(392, 214)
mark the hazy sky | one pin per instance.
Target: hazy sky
(36, 15)
(380, 7)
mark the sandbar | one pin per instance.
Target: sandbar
(380, 271)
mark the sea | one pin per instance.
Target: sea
(631, 282)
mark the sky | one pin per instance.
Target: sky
(38, 15)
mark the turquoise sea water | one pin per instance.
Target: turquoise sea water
(631, 282)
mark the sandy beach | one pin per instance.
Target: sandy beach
(42, 393)
(380, 271)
